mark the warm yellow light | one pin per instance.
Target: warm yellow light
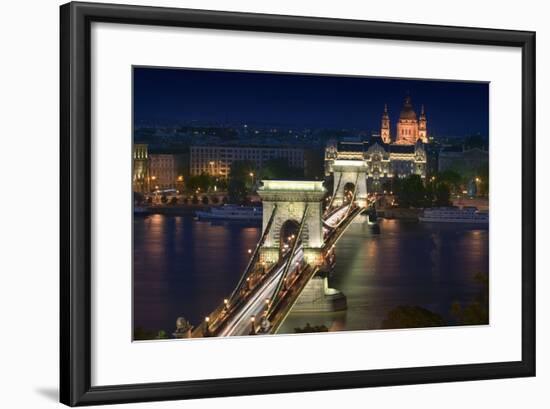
(249, 251)
(153, 178)
(206, 319)
(251, 174)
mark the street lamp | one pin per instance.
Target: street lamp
(252, 325)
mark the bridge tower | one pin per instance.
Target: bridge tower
(348, 172)
(294, 201)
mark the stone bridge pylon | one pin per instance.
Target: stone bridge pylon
(346, 173)
(295, 201)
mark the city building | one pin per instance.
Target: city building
(383, 161)
(217, 160)
(162, 171)
(459, 159)
(384, 156)
(410, 129)
(140, 177)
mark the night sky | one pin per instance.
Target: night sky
(313, 101)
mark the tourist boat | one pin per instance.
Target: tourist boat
(467, 214)
(141, 210)
(231, 212)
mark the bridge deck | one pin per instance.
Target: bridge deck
(261, 285)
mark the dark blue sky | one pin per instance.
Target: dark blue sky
(316, 101)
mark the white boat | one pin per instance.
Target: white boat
(467, 214)
(141, 210)
(231, 212)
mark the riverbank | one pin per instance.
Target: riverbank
(170, 210)
(400, 214)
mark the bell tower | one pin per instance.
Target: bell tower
(385, 127)
(422, 123)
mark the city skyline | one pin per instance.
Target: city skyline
(310, 101)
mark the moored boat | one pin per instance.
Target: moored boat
(231, 212)
(467, 214)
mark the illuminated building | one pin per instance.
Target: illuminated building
(217, 160)
(162, 171)
(140, 177)
(409, 128)
(384, 156)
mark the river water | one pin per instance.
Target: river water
(184, 267)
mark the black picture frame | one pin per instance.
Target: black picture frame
(75, 203)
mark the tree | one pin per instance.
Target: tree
(215, 199)
(411, 192)
(309, 329)
(237, 191)
(201, 182)
(278, 168)
(477, 312)
(452, 178)
(240, 173)
(483, 175)
(174, 200)
(141, 334)
(163, 199)
(195, 200)
(149, 200)
(442, 195)
(161, 335)
(204, 200)
(406, 316)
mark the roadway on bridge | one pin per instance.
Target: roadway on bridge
(239, 323)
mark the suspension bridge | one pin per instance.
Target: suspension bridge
(299, 234)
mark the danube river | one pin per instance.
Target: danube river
(184, 267)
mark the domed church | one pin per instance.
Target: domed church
(386, 156)
(410, 129)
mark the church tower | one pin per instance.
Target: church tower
(385, 128)
(422, 123)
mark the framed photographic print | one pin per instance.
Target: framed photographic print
(261, 204)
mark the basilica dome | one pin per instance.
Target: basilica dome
(407, 112)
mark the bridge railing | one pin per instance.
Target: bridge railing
(275, 299)
(254, 257)
(333, 195)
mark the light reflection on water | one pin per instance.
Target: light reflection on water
(407, 263)
(184, 267)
